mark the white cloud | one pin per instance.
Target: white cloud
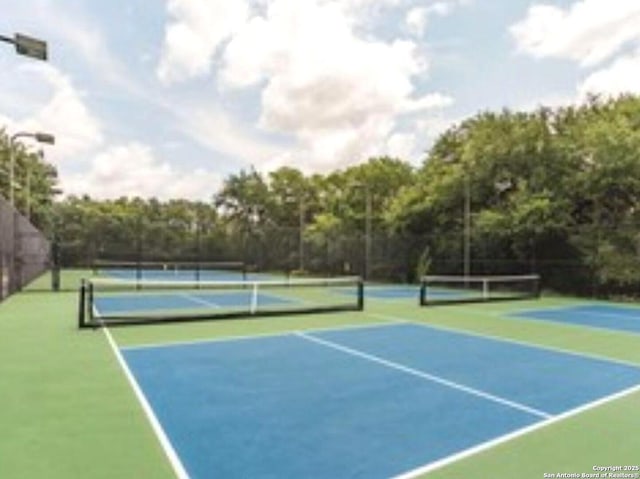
(197, 29)
(338, 94)
(133, 170)
(589, 31)
(213, 128)
(417, 18)
(64, 115)
(619, 77)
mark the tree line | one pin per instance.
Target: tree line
(554, 191)
(35, 179)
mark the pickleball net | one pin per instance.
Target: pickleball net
(171, 270)
(115, 301)
(435, 290)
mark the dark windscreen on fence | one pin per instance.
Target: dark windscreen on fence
(24, 251)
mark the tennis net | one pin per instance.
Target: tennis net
(436, 290)
(171, 270)
(113, 301)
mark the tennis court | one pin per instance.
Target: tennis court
(392, 389)
(434, 290)
(180, 271)
(370, 402)
(617, 318)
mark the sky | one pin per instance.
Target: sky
(167, 98)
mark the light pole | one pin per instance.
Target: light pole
(367, 234)
(467, 226)
(49, 174)
(367, 227)
(301, 232)
(28, 46)
(466, 215)
(40, 138)
(298, 196)
(28, 185)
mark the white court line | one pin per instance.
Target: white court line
(513, 435)
(427, 376)
(225, 339)
(168, 449)
(509, 340)
(199, 300)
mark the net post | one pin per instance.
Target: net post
(244, 271)
(360, 294)
(423, 292)
(485, 289)
(82, 304)
(89, 292)
(55, 278)
(55, 264)
(138, 273)
(254, 298)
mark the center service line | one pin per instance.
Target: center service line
(428, 377)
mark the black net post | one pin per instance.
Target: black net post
(82, 305)
(198, 249)
(139, 233)
(55, 264)
(17, 253)
(89, 300)
(360, 295)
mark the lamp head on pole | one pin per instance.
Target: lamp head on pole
(31, 47)
(44, 138)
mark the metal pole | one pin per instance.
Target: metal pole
(301, 238)
(12, 164)
(12, 167)
(40, 137)
(28, 194)
(467, 227)
(55, 249)
(367, 235)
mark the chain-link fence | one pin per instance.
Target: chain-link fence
(24, 251)
(591, 260)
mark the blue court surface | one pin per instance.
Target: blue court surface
(365, 402)
(141, 302)
(618, 318)
(187, 275)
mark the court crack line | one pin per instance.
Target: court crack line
(427, 376)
